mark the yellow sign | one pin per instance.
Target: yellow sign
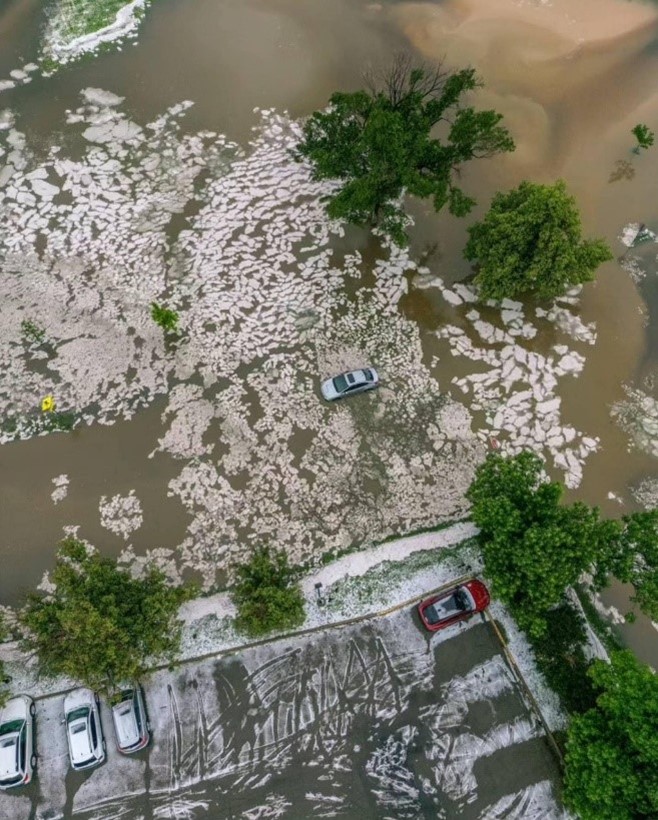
(47, 404)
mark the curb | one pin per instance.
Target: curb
(526, 689)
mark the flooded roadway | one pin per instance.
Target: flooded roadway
(571, 79)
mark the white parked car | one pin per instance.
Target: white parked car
(84, 732)
(17, 757)
(131, 725)
(347, 384)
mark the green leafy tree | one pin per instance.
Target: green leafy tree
(534, 547)
(380, 144)
(164, 317)
(612, 750)
(636, 559)
(266, 595)
(530, 242)
(644, 136)
(100, 625)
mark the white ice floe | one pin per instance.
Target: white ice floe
(634, 233)
(646, 493)
(61, 490)
(518, 393)
(637, 415)
(121, 515)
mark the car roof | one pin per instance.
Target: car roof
(125, 722)
(9, 755)
(79, 740)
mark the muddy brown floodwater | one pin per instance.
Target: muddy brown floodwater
(571, 78)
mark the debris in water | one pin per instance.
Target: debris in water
(635, 233)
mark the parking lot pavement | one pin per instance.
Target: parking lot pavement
(374, 720)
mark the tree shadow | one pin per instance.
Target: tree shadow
(623, 170)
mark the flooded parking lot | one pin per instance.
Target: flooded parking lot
(374, 720)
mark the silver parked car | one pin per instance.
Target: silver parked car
(17, 757)
(131, 725)
(347, 384)
(84, 732)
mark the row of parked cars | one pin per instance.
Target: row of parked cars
(84, 732)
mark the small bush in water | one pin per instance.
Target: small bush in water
(32, 332)
(165, 318)
(644, 136)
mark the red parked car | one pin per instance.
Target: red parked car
(454, 605)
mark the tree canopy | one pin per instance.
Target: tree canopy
(636, 559)
(266, 595)
(100, 624)
(530, 242)
(612, 749)
(533, 546)
(380, 144)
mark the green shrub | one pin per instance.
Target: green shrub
(32, 332)
(266, 595)
(164, 317)
(644, 136)
(59, 421)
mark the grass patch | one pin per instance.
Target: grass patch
(28, 426)
(80, 17)
(32, 332)
(374, 587)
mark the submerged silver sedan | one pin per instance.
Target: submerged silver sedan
(347, 384)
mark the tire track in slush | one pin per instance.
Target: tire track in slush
(175, 741)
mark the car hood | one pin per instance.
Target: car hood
(328, 389)
(80, 697)
(15, 709)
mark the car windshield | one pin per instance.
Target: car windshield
(78, 714)
(461, 600)
(11, 726)
(340, 383)
(368, 374)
